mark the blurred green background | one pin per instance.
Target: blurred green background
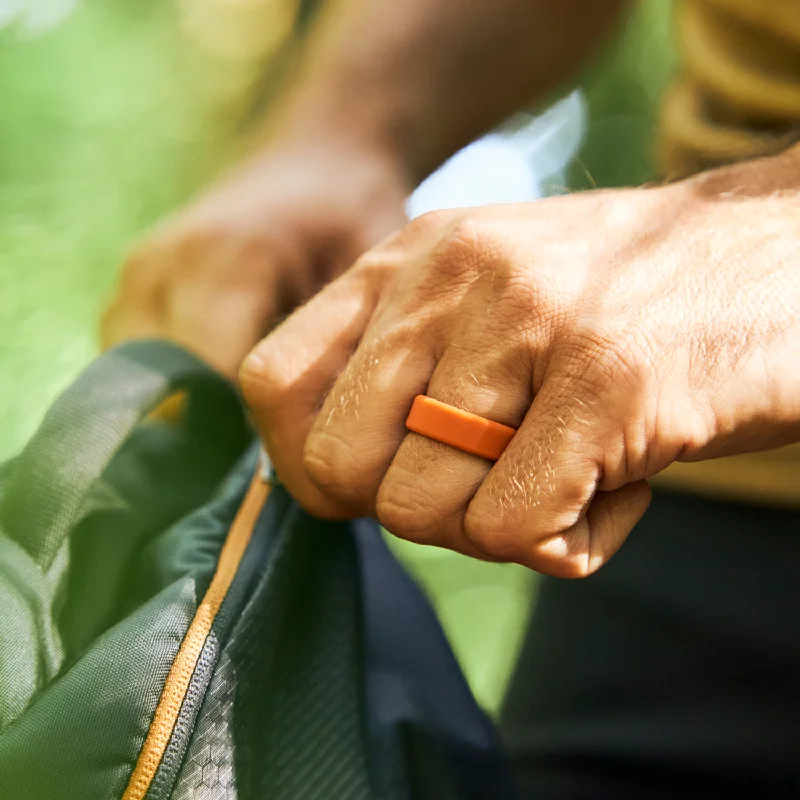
(112, 114)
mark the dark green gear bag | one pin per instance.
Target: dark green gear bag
(173, 626)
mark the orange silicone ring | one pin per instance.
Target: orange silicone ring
(460, 429)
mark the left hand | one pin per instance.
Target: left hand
(219, 274)
(620, 331)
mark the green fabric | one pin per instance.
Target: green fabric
(30, 645)
(275, 706)
(49, 483)
(81, 738)
(44, 504)
(109, 575)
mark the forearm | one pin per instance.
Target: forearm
(421, 78)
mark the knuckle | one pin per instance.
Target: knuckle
(265, 386)
(626, 356)
(434, 220)
(459, 251)
(375, 267)
(607, 355)
(397, 248)
(211, 248)
(567, 553)
(451, 263)
(407, 513)
(520, 302)
(138, 274)
(192, 237)
(571, 566)
(475, 249)
(431, 222)
(330, 467)
(315, 502)
(191, 252)
(485, 244)
(486, 530)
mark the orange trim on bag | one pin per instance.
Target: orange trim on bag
(180, 675)
(172, 409)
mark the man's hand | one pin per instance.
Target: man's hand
(217, 277)
(620, 331)
(383, 94)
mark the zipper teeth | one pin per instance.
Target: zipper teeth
(180, 674)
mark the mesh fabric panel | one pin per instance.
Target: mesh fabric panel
(285, 705)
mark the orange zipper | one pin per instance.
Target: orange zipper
(180, 674)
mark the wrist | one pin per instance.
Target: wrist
(375, 106)
(791, 158)
(323, 118)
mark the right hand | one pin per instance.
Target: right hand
(618, 331)
(219, 274)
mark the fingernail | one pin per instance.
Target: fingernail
(253, 362)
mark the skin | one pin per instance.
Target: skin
(620, 331)
(387, 91)
(216, 277)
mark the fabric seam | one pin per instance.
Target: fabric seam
(180, 674)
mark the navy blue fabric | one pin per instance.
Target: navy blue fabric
(413, 682)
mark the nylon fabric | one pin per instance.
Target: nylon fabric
(80, 434)
(80, 738)
(103, 578)
(111, 572)
(80, 665)
(30, 645)
(293, 668)
(209, 767)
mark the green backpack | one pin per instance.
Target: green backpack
(174, 626)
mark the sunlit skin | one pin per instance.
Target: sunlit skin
(620, 331)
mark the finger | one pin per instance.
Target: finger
(427, 489)
(136, 312)
(589, 543)
(221, 295)
(219, 325)
(128, 318)
(287, 375)
(362, 420)
(540, 506)
(120, 324)
(123, 324)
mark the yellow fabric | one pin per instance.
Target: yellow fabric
(738, 96)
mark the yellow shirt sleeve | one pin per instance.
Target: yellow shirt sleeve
(738, 94)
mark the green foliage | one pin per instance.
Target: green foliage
(623, 92)
(102, 130)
